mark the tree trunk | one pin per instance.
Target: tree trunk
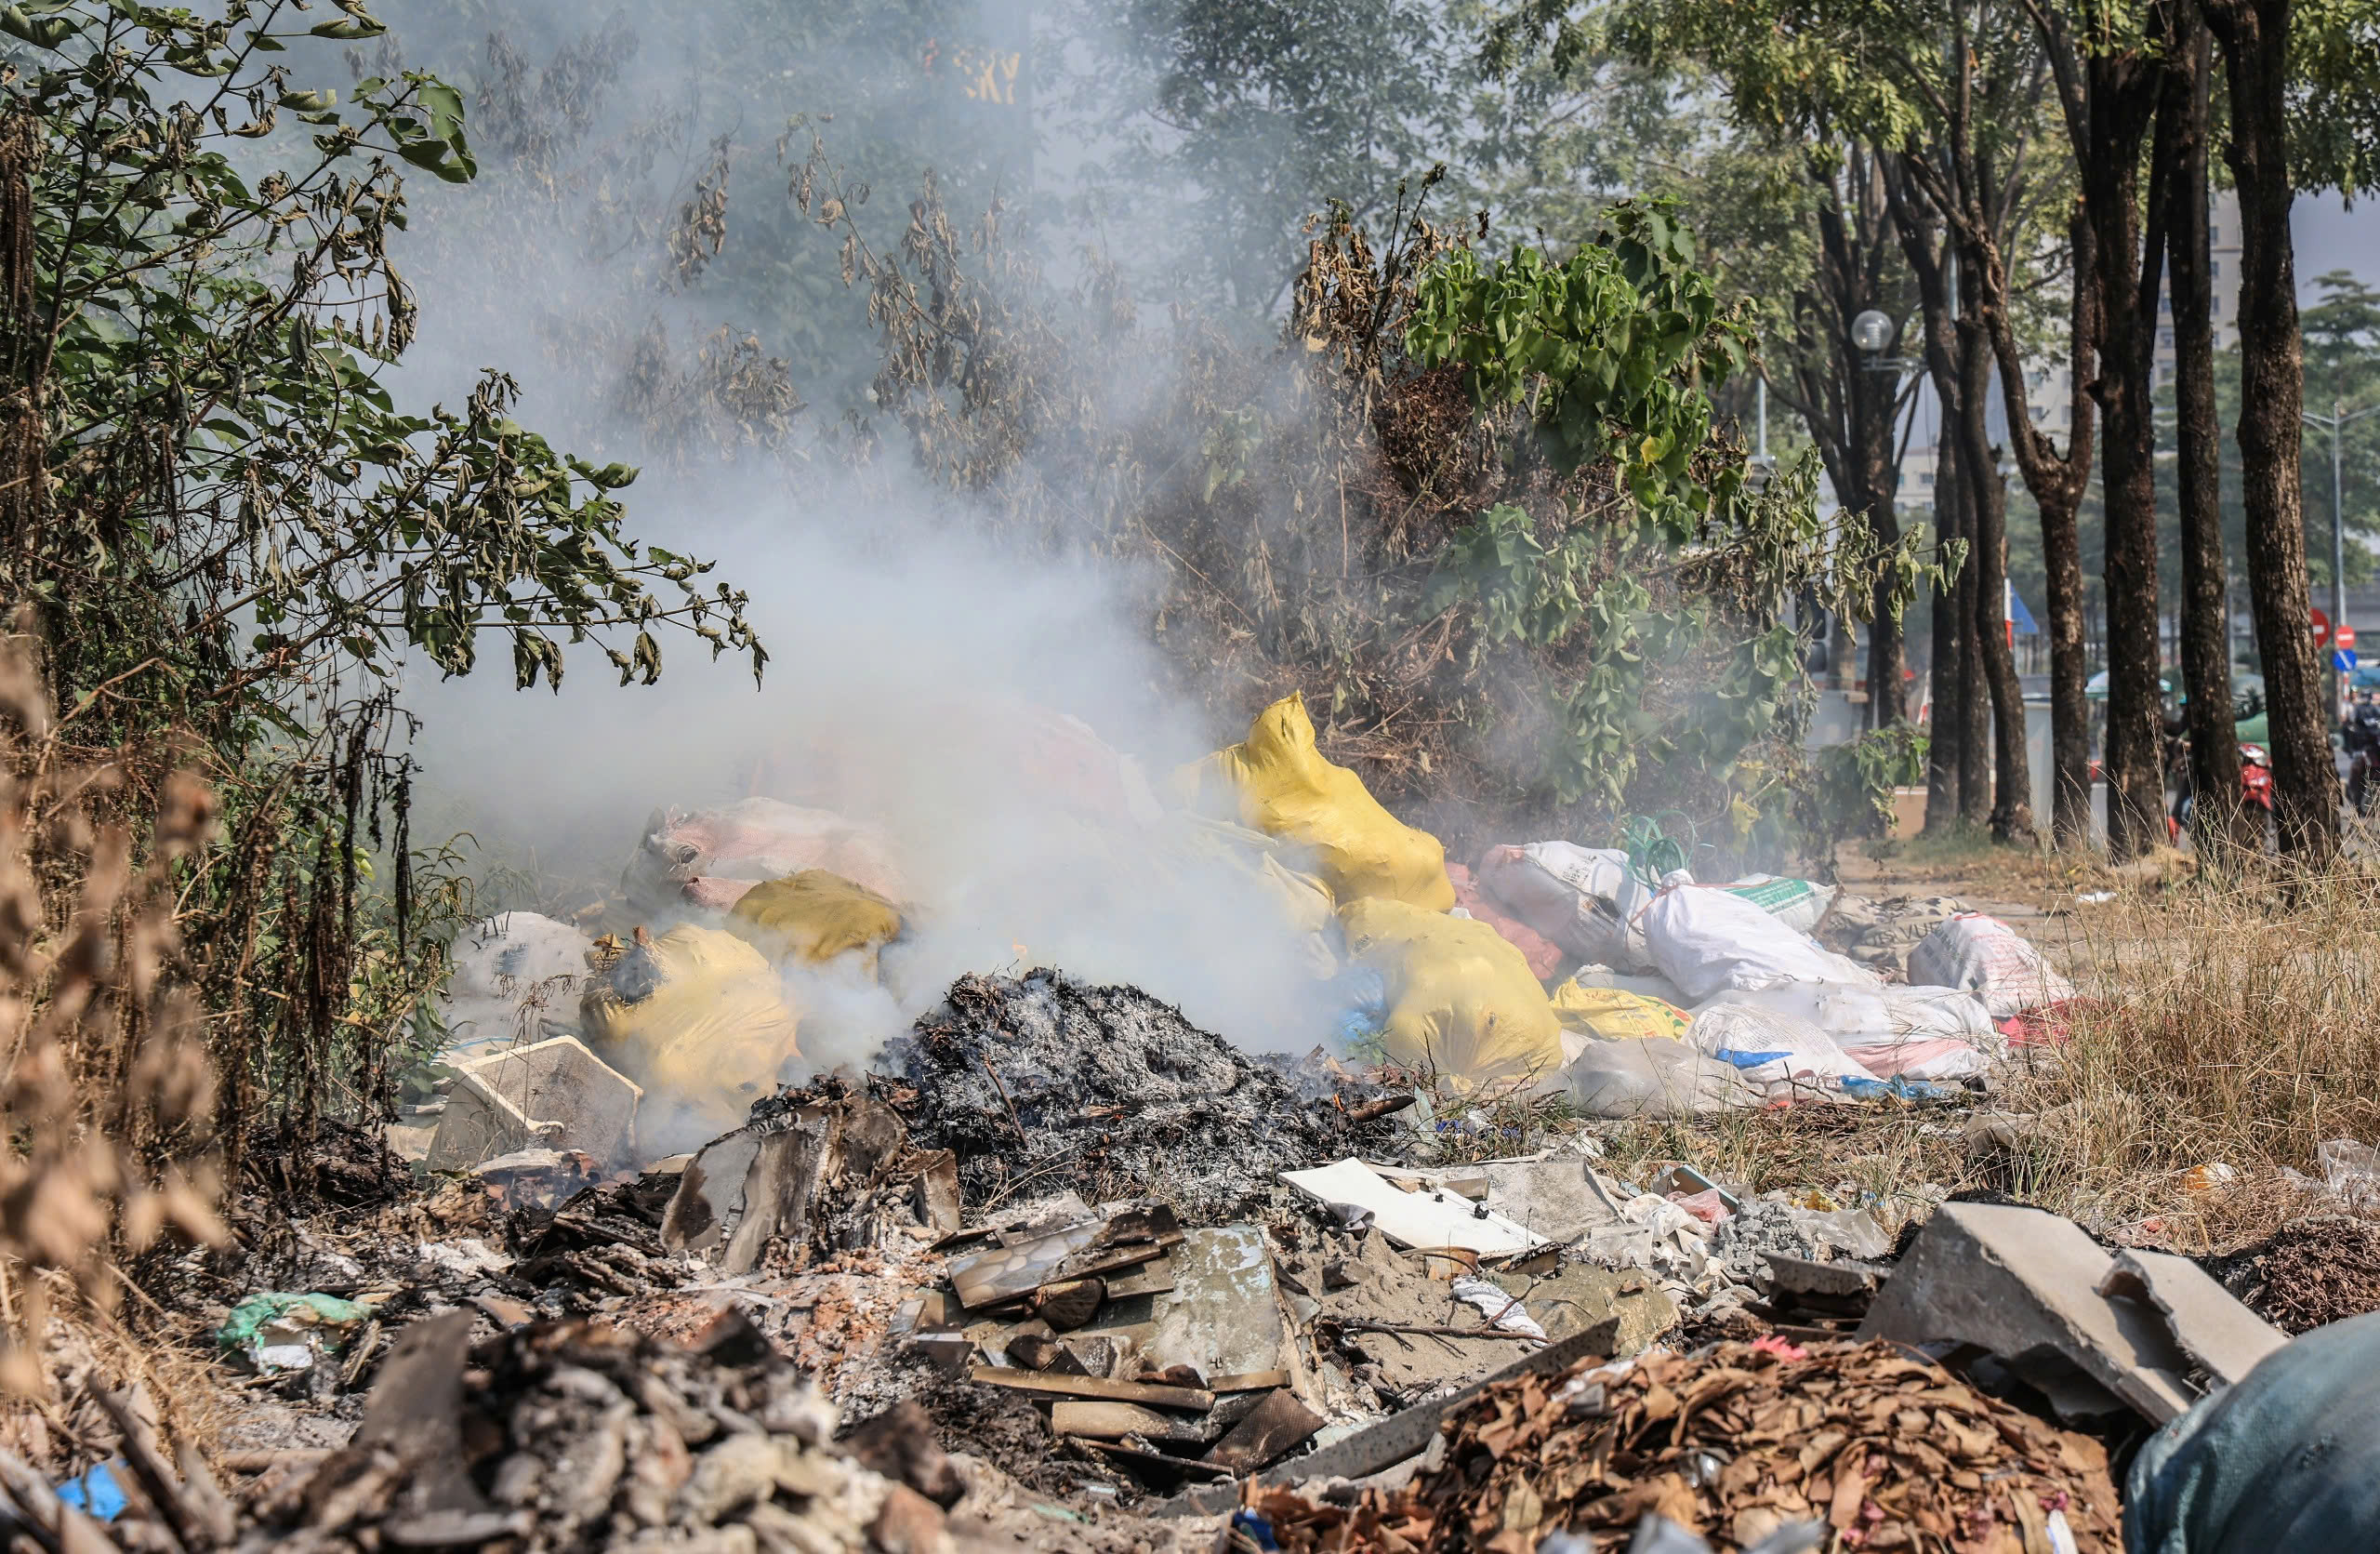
(2058, 481)
(1948, 673)
(2182, 120)
(2070, 663)
(2254, 35)
(1975, 693)
(2012, 807)
(1887, 704)
(2122, 100)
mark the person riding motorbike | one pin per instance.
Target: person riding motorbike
(2256, 771)
(2360, 731)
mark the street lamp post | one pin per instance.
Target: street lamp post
(2335, 422)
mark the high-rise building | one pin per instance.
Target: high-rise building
(2223, 276)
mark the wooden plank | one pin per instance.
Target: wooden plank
(1114, 1421)
(1249, 1381)
(1189, 1467)
(1188, 1399)
(1280, 1426)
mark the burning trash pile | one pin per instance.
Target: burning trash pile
(1057, 1252)
(743, 936)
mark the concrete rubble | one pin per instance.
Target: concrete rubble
(2087, 1328)
(553, 1092)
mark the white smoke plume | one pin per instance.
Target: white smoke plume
(911, 670)
(912, 659)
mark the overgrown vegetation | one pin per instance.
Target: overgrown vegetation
(1482, 516)
(233, 538)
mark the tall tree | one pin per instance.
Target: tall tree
(2254, 35)
(2012, 799)
(2119, 84)
(1946, 347)
(2058, 481)
(2184, 113)
(1992, 191)
(1907, 82)
(1948, 779)
(1965, 172)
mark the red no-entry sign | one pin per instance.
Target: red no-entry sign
(2321, 628)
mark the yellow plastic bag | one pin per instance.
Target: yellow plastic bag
(1187, 849)
(1277, 782)
(696, 1016)
(1460, 997)
(1610, 1015)
(816, 915)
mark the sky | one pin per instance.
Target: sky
(2332, 236)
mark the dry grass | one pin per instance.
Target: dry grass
(2234, 1022)
(1892, 1157)
(104, 1077)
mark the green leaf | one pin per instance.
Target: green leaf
(46, 32)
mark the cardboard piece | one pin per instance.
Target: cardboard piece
(1412, 1219)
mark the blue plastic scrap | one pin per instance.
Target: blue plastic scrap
(96, 1492)
(1252, 1531)
(1901, 1087)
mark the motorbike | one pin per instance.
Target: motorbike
(2363, 740)
(2255, 782)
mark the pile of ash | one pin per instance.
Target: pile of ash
(577, 1437)
(1045, 1082)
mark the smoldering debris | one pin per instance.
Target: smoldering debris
(1044, 1081)
(815, 1171)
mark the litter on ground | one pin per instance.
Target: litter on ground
(1055, 1263)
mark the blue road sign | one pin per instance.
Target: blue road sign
(2343, 659)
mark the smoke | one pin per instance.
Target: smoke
(921, 670)
(916, 671)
